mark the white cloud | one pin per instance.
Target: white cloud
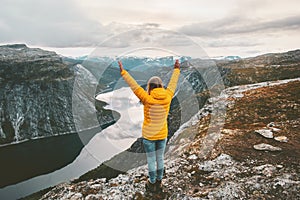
(47, 23)
(148, 39)
(238, 25)
(221, 24)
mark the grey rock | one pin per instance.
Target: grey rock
(281, 139)
(192, 157)
(279, 166)
(229, 190)
(92, 197)
(77, 196)
(266, 170)
(276, 129)
(265, 133)
(266, 147)
(216, 164)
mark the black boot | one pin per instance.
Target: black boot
(150, 187)
(158, 186)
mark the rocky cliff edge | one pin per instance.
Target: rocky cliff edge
(254, 154)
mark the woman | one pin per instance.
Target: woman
(156, 101)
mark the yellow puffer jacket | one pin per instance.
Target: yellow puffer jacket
(156, 106)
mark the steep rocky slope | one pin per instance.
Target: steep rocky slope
(223, 163)
(36, 94)
(38, 129)
(32, 83)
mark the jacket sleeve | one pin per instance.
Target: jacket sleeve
(173, 81)
(135, 87)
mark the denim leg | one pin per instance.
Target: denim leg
(151, 158)
(160, 150)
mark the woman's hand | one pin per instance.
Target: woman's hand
(177, 64)
(120, 66)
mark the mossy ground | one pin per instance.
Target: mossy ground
(279, 104)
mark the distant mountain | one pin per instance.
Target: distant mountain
(131, 62)
(227, 58)
(267, 67)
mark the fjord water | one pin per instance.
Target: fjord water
(105, 144)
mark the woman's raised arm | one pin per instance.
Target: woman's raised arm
(135, 87)
(174, 78)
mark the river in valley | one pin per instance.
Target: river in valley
(104, 145)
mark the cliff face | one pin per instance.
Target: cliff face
(42, 97)
(36, 94)
(36, 91)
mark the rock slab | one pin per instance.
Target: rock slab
(265, 133)
(266, 147)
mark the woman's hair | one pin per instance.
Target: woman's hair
(154, 82)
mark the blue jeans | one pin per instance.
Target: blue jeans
(155, 150)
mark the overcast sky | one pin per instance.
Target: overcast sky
(227, 27)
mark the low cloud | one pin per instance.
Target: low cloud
(135, 36)
(232, 43)
(48, 23)
(150, 25)
(62, 24)
(67, 27)
(238, 25)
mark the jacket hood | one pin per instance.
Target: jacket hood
(159, 93)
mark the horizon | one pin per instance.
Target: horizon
(76, 52)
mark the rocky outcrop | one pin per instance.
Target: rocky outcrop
(36, 94)
(224, 169)
(220, 178)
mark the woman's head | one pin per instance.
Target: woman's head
(154, 82)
